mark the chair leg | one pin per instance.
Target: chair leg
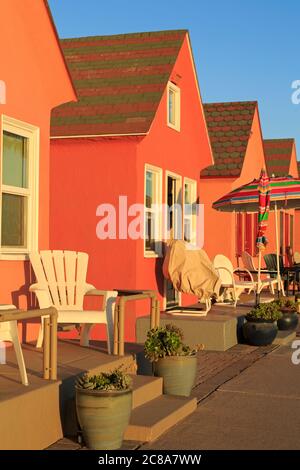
(85, 334)
(40, 339)
(110, 335)
(19, 353)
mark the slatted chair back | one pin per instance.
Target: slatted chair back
(248, 261)
(224, 267)
(63, 275)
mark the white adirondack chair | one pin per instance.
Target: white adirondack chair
(9, 332)
(226, 272)
(61, 282)
(264, 281)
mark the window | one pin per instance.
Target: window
(18, 187)
(153, 183)
(190, 214)
(173, 105)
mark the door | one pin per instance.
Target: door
(174, 230)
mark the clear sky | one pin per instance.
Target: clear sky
(244, 49)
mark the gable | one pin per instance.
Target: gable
(229, 127)
(119, 81)
(278, 155)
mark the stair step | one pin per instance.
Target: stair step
(152, 419)
(145, 389)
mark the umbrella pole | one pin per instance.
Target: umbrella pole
(277, 250)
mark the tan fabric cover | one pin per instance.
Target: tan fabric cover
(190, 270)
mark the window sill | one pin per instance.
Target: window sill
(175, 128)
(14, 256)
(152, 254)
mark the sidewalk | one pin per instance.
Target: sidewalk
(257, 409)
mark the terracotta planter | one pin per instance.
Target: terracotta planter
(289, 320)
(178, 373)
(259, 332)
(103, 417)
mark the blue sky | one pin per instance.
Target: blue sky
(244, 50)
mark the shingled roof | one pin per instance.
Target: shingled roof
(119, 81)
(229, 126)
(278, 154)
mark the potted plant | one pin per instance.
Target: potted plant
(261, 328)
(288, 308)
(172, 360)
(103, 405)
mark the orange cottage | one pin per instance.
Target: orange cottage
(138, 130)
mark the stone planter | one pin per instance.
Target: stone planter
(178, 373)
(259, 332)
(289, 320)
(103, 417)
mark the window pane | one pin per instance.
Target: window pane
(149, 189)
(171, 107)
(150, 231)
(15, 160)
(13, 220)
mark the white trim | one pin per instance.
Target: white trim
(193, 217)
(86, 136)
(32, 133)
(176, 90)
(157, 171)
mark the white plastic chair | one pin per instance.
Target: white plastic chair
(264, 281)
(61, 282)
(9, 332)
(226, 272)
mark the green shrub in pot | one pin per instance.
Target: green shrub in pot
(103, 405)
(173, 360)
(289, 318)
(261, 328)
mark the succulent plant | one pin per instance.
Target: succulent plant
(167, 341)
(106, 381)
(286, 303)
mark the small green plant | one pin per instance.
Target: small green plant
(167, 341)
(106, 381)
(268, 312)
(286, 303)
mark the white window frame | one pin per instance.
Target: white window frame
(32, 133)
(157, 253)
(179, 200)
(176, 90)
(191, 217)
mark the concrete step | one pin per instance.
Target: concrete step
(152, 419)
(145, 389)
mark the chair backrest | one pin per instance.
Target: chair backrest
(220, 262)
(296, 257)
(63, 274)
(271, 262)
(248, 261)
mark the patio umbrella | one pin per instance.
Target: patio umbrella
(284, 194)
(263, 215)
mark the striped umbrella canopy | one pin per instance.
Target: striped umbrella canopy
(284, 194)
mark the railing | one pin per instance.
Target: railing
(119, 319)
(50, 335)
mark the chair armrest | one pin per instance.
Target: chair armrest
(245, 270)
(228, 270)
(37, 287)
(106, 294)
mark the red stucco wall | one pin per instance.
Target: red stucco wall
(30, 61)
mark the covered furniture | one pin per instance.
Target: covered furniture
(191, 272)
(61, 282)
(9, 332)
